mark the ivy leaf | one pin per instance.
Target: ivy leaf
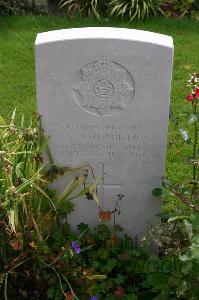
(118, 228)
(163, 216)
(110, 265)
(157, 192)
(82, 227)
(158, 280)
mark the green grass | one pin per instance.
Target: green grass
(17, 73)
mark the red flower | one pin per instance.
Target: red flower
(69, 296)
(119, 292)
(105, 215)
(194, 95)
(16, 245)
(190, 97)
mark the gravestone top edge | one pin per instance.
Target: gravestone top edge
(104, 33)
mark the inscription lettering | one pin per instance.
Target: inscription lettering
(99, 141)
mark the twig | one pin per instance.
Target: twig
(184, 199)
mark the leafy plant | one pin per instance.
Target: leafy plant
(178, 233)
(177, 8)
(84, 7)
(41, 258)
(188, 192)
(110, 267)
(133, 8)
(28, 209)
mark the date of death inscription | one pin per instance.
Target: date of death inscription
(102, 141)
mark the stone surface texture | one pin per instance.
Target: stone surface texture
(103, 94)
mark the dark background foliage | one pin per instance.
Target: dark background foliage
(102, 8)
(14, 7)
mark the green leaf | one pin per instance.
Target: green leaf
(174, 218)
(195, 239)
(167, 184)
(184, 257)
(157, 192)
(18, 168)
(2, 121)
(185, 135)
(192, 118)
(82, 227)
(118, 228)
(13, 117)
(182, 289)
(163, 216)
(188, 228)
(186, 267)
(110, 265)
(50, 293)
(158, 281)
(2, 275)
(132, 297)
(166, 192)
(22, 121)
(195, 221)
(173, 118)
(119, 279)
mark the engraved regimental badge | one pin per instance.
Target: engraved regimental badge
(104, 88)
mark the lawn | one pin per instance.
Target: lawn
(17, 73)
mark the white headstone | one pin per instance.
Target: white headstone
(103, 94)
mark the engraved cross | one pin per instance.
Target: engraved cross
(103, 185)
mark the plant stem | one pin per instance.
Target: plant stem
(195, 148)
(6, 287)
